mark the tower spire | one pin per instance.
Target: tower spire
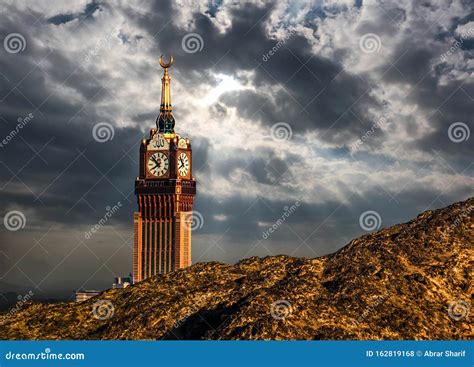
(165, 190)
(165, 121)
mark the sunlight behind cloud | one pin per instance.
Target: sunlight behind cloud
(227, 83)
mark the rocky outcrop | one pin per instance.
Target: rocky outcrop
(409, 281)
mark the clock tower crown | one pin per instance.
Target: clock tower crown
(165, 121)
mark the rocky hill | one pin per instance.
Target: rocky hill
(409, 281)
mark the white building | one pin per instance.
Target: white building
(122, 282)
(83, 295)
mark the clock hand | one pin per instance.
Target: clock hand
(156, 161)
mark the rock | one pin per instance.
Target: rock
(409, 281)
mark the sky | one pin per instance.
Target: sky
(312, 122)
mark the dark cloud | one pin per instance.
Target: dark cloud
(63, 180)
(89, 11)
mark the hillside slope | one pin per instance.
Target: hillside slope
(409, 281)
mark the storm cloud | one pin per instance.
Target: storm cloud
(342, 107)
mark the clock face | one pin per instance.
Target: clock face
(158, 164)
(183, 164)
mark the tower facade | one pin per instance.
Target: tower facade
(165, 190)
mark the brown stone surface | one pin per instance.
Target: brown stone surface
(397, 283)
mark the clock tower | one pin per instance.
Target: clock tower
(165, 190)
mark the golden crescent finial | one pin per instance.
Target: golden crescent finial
(166, 65)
